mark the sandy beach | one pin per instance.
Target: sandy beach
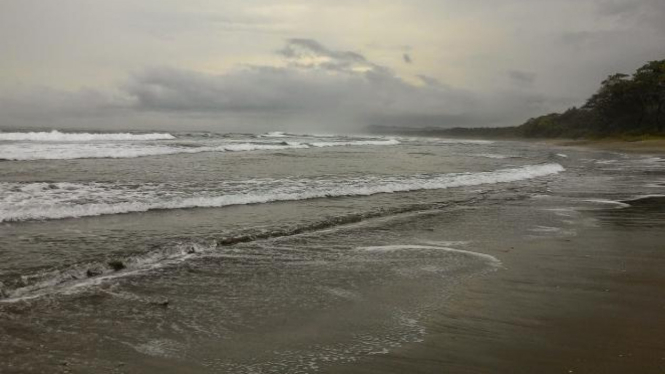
(585, 303)
(590, 303)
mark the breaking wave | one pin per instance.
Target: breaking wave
(274, 134)
(37, 201)
(432, 140)
(55, 150)
(70, 151)
(355, 142)
(77, 277)
(57, 136)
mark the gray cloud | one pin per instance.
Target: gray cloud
(429, 81)
(167, 25)
(479, 61)
(635, 13)
(41, 103)
(317, 88)
(309, 53)
(522, 78)
(615, 7)
(332, 86)
(578, 38)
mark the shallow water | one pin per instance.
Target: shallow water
(266, 253)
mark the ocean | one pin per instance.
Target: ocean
(270, 253)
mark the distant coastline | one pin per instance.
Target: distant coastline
(626, 112)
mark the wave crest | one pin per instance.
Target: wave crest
(355, 142)
(33, 201)
(57, 136)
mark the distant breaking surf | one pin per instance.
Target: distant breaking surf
(35, 201)
(356, 142)
(76, 150)
(57, 136)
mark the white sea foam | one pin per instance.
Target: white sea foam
(71, 150)
(29, 201)
(549, 231)
(656, 184)
(651, 160)
(261, 147)
(355, 143)
(545, 229)
(274, 134)
(493, 155)
(57, 136)
(389, 248)
(446, 243)
(282, 134)
(462, 141)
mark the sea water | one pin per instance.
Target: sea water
(275, 252)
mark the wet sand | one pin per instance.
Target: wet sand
(651, 146)
(590, 303)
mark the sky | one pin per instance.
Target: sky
(320, 65)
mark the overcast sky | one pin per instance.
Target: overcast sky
(333, 65)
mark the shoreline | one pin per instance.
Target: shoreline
(654, 145)
(578, 289)
(650, 146)
(576, 304)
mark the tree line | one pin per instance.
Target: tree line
(624, 106)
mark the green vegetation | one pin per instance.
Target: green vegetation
(626, 107)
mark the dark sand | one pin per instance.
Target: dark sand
(591, 303)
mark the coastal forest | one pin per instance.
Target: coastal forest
(624, 106)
